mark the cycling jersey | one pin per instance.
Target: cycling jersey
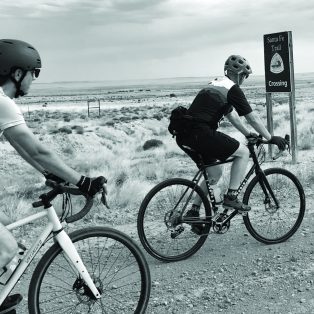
(217, 100)
(10, 113)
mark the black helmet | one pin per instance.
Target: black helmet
(17, 54)
(238, 65)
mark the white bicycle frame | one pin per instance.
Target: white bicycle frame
(54, 225)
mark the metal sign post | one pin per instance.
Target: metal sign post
(270, 122)
(279, 78)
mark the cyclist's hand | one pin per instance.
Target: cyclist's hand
(279, 141)
(52, 177)
(252, 136)
(92, 186)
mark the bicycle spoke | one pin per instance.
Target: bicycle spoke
(114, 269)
(267, 222)
(162, 229)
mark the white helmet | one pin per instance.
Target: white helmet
(237, 65)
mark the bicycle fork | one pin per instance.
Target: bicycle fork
(71, 253)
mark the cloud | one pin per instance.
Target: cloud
(107, 37)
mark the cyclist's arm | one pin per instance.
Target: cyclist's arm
(235, 120)
(257, 125)
(35, 153)
(24, 155)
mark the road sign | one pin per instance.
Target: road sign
(279, 77)
(277, 54)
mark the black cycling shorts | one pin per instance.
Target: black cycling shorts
(209, 143)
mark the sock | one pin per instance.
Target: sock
(232, 194)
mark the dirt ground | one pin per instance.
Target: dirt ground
(233, 273)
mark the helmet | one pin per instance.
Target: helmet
(238, 65)
(17, 54)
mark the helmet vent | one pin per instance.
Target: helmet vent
(237, 64)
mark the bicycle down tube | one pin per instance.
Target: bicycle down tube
(54, 225)
(20, 269)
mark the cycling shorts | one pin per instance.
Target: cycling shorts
(210, 144)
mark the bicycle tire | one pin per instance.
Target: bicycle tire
(290, 194)
(121, 274)
(155, 234)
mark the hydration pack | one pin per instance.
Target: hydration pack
(181, 121)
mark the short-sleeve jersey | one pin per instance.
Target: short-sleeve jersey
(217, 100)
(10, 113)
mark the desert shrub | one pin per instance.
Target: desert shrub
(53, 131)
(153, 143)
(158, 116)
(66, 118)
(68, 150)
(65, 129)
(130, 195)
(121, 178)
(305, 141)
(310, 178)
(79, 129)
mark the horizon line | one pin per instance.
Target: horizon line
(149, 79)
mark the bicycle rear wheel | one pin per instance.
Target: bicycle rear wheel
(116, 265)
(163, 231)
(266, 222)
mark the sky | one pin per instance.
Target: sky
(91, 40)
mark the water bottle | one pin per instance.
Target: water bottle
(7, 271)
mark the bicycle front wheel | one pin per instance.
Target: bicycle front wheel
(268, 222)
(163, 230)
(116, 265)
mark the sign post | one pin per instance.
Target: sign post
(279, 78)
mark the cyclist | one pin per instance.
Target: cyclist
(20, 64)
(210, 106)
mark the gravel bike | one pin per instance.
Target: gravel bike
(275, 195)
(91, 270)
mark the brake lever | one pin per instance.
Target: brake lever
(104, 198)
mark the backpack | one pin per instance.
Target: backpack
(181, 121)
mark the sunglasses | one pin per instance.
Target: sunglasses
(35, 73)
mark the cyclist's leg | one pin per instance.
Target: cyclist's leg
(8, 249)
(214, 174)
(8, 245)
(237, 173)
(238, 167)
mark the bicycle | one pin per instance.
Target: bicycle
(275, 195)
(91, 270)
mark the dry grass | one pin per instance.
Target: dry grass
(96, 147)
